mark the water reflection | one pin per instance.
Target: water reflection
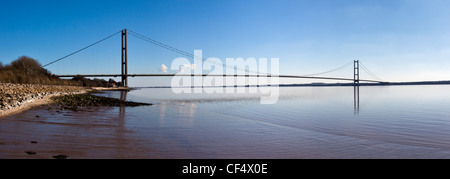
(309, 122)
(162, 112)
(397, 122)
(123, 97)
(356, 100)
(184, 110)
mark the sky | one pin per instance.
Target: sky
(398, 40)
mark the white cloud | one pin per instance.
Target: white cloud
(163, 68)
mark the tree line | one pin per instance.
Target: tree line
(26, 70)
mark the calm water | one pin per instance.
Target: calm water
(307, 122)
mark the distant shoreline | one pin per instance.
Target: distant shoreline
(323, 84)
(374, 84)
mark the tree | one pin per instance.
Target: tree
(28, 65)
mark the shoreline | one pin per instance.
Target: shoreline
(27, 105)
(17, 98)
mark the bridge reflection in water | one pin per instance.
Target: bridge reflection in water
(123, 97)
(356, 103)
(356, 99)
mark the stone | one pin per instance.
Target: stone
(30, 153)
(60, 157)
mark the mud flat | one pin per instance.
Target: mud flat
(76, 102)
(63, 122)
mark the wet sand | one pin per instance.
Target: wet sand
(48, 132)
(32, 126)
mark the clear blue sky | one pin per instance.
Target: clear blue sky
(398, 40)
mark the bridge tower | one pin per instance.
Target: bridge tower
(356, 72)
(124, 58)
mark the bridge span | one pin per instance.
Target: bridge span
(215, 75)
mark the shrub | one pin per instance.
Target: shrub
(27, 70)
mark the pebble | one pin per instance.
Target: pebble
(60, 156)
(15, 95)
(30, 153)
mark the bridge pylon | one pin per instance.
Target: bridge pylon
(124, 58)
(356, 72)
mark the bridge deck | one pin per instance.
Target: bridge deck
(215, 75)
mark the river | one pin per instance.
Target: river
(306, 122)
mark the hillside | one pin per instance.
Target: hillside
(26, 70)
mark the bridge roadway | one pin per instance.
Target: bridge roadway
(215, 75)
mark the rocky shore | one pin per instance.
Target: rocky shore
(76, 102)
(17, 96)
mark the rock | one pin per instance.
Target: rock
(60, 156)
(74, 102)
(30, 153)
(14, 95)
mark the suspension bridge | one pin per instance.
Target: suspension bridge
(357, 65)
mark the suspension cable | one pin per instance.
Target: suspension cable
(95, 43)
(176, 50)
(329, 71)
(168, 47)
(369, 72)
